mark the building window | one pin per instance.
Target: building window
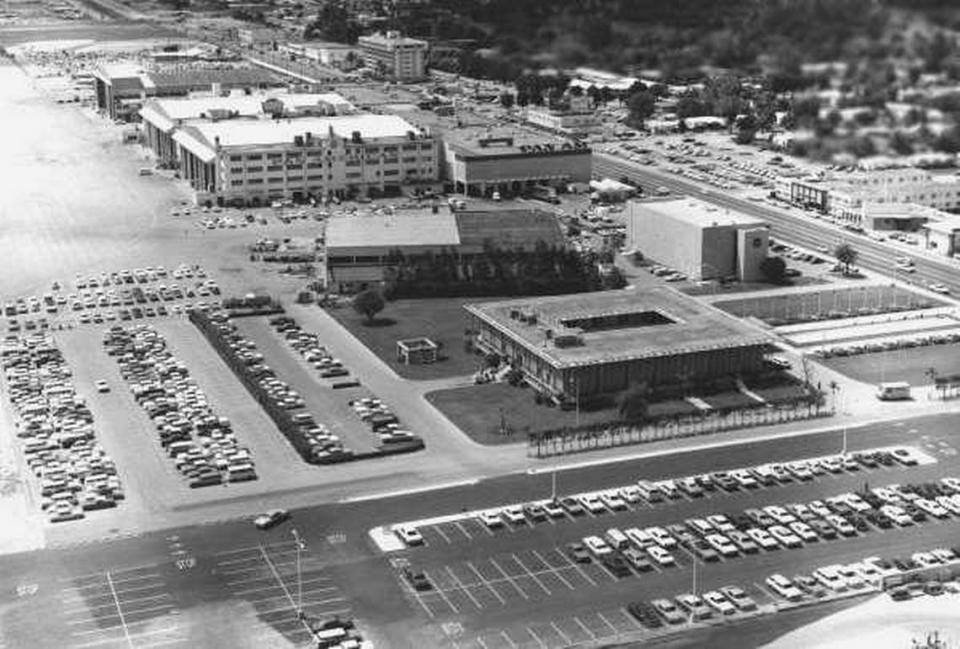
(314, 165)
(274, 181)
(275, 168)
(391, 172)
(254, 170)
(236, 183)
(353, 174)
(254, 156)
(236, 158)
(255, 181)
(236, 170)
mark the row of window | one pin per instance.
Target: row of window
(351, 151)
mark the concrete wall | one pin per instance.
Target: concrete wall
(752, 246)
(673, 242)
(574, 166)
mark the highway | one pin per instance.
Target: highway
(787, 224)
(229, 585)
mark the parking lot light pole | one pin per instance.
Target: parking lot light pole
(300, 547)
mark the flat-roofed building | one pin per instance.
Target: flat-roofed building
(161, 117)
(398, 57)
(360, 248)
(699, 239)
(254, 162)
(590, 344)
(478, 163)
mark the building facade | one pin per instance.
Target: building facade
(593, 344)
(398, 57)
(480, 164)
(255, 162)
(698, 239)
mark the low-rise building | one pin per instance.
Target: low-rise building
(592, 344)
(699, 239)
(396, 56)
(574, 115)
(478, 163)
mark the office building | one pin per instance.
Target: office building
(395, 56)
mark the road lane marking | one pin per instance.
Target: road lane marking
(508, 578)
(123, 622)
(459, 583)
(527, 570)
(485, 583)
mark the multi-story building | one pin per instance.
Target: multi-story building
(396, 56)
(253, 162)
(575, 116)
(479, 163)
(162, 117)
(698, 239)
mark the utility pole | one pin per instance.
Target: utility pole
(300, 548)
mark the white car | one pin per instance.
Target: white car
(613, 501)
(640, 538)
(926, 559)
(661, 556)
(937, 287)
(784, 587)
(630, 494)
(779, 514)
(762, 538)
(271, 519)
(830, 577)
(491, 519)
(663, 538)
(949, 503)
(784, 536)
(553, 509)
(945, 555)
(853, 578)
(408, 534)
(597, 546)
(722, 545)
(592, 503)
(514, 515)
(804, 531)
(719, 602)
(819, 508)
(898, 515)
(721, 522)
(932, 508)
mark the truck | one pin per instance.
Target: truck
(893, 391)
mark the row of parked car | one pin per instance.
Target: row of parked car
(382, 421)
(138, 276)
(309, 347)
(904, 342)
(201, 444)
(56, 430)
(689, 607)
(321, 441)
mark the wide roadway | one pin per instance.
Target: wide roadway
(228, 584)
(800, 230)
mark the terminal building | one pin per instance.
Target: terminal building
(359, 249)
(592, 344)
(398, 57)
(699, 239)
(478, 163)
(256, 162)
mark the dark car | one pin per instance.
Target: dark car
(704, 551)
(637, 559)
(572, 505)
(826, 531)
(617, 565)
(418, 579)
(535, 512)
(645, 614)
(271, 519)
(578, 553)
(866, 459)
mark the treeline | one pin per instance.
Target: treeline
(543, 271)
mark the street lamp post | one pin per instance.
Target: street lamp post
(300, 547)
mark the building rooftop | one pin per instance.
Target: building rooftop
(190, 76)
(508, 229)
(660, 322)
(390, 38)
(481, 142)
(165, 112)
(697, 212)
(399, 230)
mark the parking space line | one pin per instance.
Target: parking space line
(593, 636)
(509, 639)
(481, 642)
(566, 638)
(485, 528)
(439, 531)
(607, 622)
(443, 596)
(555, 570)
(763, 589)
(293, 605)
(533, 634)
(486, 583)
(123, 622)
(463, 587)
(508, 578)
(527, 570)
(577, 568)
(463, 530)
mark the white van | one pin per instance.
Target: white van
(617, 539)
(146, 171)
(896, 391)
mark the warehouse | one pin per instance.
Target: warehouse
(698, 239)
(594, 344)
(360, 248)
(479, 163)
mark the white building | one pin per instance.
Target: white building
(254, 162)
(400, 58)
(577, 117)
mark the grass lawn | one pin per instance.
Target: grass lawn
(730, 400)
(715, 288)
(443, 320)
(849, 301)
(899, 365)
(476, 411)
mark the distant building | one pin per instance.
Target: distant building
(334, 55)
(254, 162)
(591, 344)
(257, 35)
(479, 163)
(575, 116)
(400, 58)
(360, 248)
(943, 236)
(697, 238)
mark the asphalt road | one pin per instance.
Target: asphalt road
(789, 226)
(227, 584)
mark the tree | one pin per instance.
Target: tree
(846, 255)
(506, 100)
(368, 303)
(901, 144)
(746, 129)
(641, 105)
(774, 269)
(632, 403)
